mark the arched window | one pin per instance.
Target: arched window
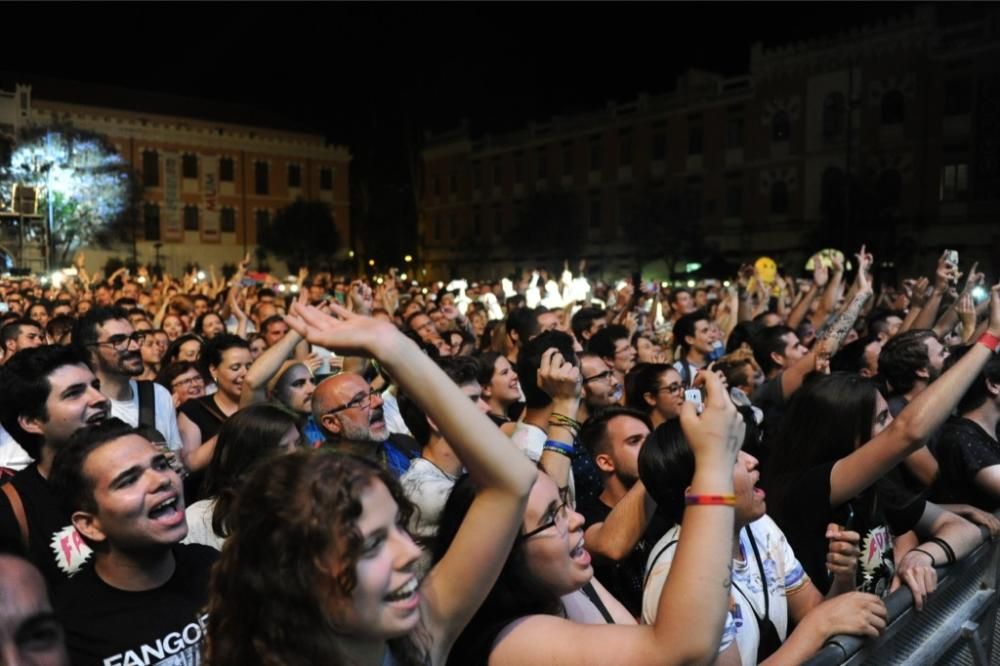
(779, 197)
(833, 115)
(780, 127)
(892, 108)
(890, 188)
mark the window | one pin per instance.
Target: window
(694, 140)
(497, 173)
(151, 220)
(734, 201)
(262, 218)
(734, 133)
(518, 168)
(453, 183)
(325, 178)
(595, 152)
(260, 178)
(779, 197)
(567, 158)
(541, 165)
(954, 182)
(294, 175)
(227, 171)
(227, 219)
(889, 187)
(190, 218)
(625, 148)
(958, 96)
(659, 150)
(189, 165)
(892, 108)
(780, 126)
(150, 168)
(477, 222)
(595, 212)
(454, 226)
(833, 115)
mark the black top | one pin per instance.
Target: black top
(805, 512)
(54, 546)
(963, 450)
(624, 579)
(204, 413)
(106, 625)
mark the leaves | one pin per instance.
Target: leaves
(303, 234)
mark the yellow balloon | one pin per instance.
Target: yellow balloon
(767, 270)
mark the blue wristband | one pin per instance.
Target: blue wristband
(558, 447)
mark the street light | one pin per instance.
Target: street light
(371, 262)
(407, 258)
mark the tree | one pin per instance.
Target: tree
(92, 189)
(303, 234)
(667, 227)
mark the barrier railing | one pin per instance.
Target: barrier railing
(958, 624)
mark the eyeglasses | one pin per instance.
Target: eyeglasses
(607, 374)
(121, 341)
(671, 388)
(184, 383)
(361, 402)
(559, 515)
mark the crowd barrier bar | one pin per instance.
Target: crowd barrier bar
(957, 626)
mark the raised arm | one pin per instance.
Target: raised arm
(943, 276)
(562, 381)
(264, 368)
(695, 598)
(459, 583)
(616, 537)
(820, 277)
(915, 423)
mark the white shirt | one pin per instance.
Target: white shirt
(166, 416)
(390, 412)
(199, 520)
(428, 487)
(12, 456)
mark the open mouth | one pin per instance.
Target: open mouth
(168, 510)
(99, 417)
(406, 592)
(580, 554)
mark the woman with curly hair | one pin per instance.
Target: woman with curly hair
(318, 567)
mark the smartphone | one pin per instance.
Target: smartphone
(694, 395)
(951, 256)
(4, 309)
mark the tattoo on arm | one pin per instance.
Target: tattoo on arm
(842, 324)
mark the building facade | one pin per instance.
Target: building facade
(887, 134)
(207, 186)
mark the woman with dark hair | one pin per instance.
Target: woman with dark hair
(208, 325)
(837, 443)
(226, 359)
(250, 437)
(257, 345)
(762, 560)
(153, 349)
(318, 567)
(185, 348)
(183, 380)
(501, 389)
(173, 326)
(655, 389)
(547, 609)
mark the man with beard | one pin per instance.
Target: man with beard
(46, 395)
(348, 411)
(143, 591)
(601, 387)
(106, 339)
(619, 523)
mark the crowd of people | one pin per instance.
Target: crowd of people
(533, 471)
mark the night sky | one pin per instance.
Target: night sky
(373, 76)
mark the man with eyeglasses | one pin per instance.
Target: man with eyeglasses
(348, 412)
(612, 344)
(112, 347)
(601, 387)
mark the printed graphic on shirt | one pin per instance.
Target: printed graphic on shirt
(178, 648)
(70, 549)
(877, 566)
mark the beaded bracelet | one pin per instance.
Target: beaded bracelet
(566, 421)
(989, 341)
(558, 447)
(710, 500)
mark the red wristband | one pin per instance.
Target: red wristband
(989, 341)
(710, 500)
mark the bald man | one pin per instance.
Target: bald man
(348, 411)
(26, 615)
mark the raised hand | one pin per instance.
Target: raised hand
(974, 280)
(945, 274)
(559, 378)
(919, 297)
(717, 434)
(344, 332)
(966, 310)
(843, 553)
(821, 274)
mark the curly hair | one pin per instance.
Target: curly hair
(270, 592)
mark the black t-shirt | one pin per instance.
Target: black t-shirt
(963, 450)
(54, 546)
(107, 626)
(624, 579)
(805, 511)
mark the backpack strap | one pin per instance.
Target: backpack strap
(17, 506)
(147, 403)
(595, 599)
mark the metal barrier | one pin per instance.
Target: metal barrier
(957, 626)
